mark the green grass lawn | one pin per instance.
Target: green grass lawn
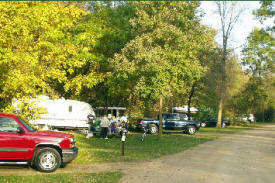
(106, 177)
(100, 150)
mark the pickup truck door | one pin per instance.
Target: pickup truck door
(13, 146)
(169, 124)
(181, 124)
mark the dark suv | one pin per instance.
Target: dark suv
(213, 122)
(171, 121)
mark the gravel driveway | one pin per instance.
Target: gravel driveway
(243, 157)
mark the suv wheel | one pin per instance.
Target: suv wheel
(153, 128)
(47, 159)
(191, 130)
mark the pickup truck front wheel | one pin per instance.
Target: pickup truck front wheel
(191, 130)
(47, 159)
(153, 128)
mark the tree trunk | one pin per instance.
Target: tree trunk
(228, 18)
(160, 116)
(130, 102)
(219, 121)
(263, 112)
(222, 86)
(189, 101)
(106, 105)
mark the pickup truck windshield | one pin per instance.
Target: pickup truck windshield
(28, 126)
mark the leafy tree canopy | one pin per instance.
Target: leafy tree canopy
(46, 48)
(164, 55)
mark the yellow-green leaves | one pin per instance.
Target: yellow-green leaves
(163, 58)
(45, 47)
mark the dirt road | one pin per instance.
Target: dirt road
(236, 158)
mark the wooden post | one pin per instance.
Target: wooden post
(123, 138)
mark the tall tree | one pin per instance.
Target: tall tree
(208, 87)
(265, 12)
(116, 33)
(162, 59)
(258, 59)
(229, 15)
(259, 53)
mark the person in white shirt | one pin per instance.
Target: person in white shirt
(104, 124)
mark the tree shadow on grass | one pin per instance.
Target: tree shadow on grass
(101, 150)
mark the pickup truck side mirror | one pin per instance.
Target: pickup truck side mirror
(20, 130)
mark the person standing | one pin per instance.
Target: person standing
(91, 118)
(113, 120)
(104, 124)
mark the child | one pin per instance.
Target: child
(113, 128)
(123, 128)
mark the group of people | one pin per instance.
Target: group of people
(115, 126)
(109, 123)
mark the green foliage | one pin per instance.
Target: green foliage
(208, 91)
(259, 53)
(204, 113)
(28, 108)
(266, 11)
(125, 54)
(163, 58)
(258, 96)
(116, 32)
(46, 53)
(249, 99)
(268, 115)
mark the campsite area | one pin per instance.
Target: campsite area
(137, 91)
(102, 161)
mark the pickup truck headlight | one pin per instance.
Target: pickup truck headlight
(72, 140)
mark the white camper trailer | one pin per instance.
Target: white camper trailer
(118, 112)
(63, 114)
(184, 110)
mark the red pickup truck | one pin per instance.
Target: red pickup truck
(22, 144)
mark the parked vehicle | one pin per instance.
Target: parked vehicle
(248, 117)
(61, 113)
(118, 112)
(184, 110)
(213, 122)
(171, 121)
(21, 144)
